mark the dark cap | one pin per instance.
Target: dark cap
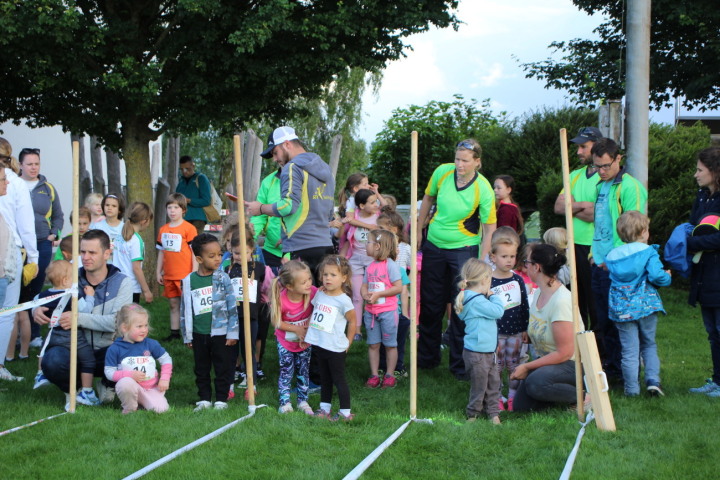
(587, 134)
(278, 136)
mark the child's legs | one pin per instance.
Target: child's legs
(711, 319)
(202, 353)
(174, 313)
(374, 358)
(513, 352)
(492, 388)
(478, 381)
(25, 329)
(242, 360)
(326, 379)
(302, 372)
(402, 335)
(128, 391)
(648, 348)
(357, 299)
(336, 363)
(287, 370)
(389, 328)
(223, 360)
(153, 400)
(500, 355)
(86, 380)
(262, 333)
(629, 341)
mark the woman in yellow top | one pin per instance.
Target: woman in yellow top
(464, 201)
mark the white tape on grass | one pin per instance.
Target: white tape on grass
(190, 446)
(565, 475)
(367, 461)
(6, 432)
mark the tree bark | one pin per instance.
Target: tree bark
(98, 179)
(137, 166)
(84, 174)
(335, 154)
(170, 165)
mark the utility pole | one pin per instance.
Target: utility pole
(637, 88)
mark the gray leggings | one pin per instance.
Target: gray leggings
(546, 387)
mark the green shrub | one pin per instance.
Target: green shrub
(548, 187)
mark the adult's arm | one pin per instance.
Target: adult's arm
(563, 333)
(583, 210)
(56, 221)
(427, 202)
(704, 242)
(488, 229)
(25, 221)
(291, 185)
(205, 197)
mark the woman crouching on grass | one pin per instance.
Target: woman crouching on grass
(550, 378)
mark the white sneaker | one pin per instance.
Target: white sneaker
(243, 384)
(287, 408)
(305, 408)
(220, 405)
(105, 394)
(40, 380)
(202, 405)
(36, 342)
(6, 375)
(87, 398)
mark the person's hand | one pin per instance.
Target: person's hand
(189, 345)
(40, 317)
(278, 243)
(163, 385)
(65, 320)
(230, 342)
(669, 272)
(148, 296)
(284, 260)
(373, 297)
(253, 208)
(336, 224)
(138, 376)
(160, 279)
(520, 373)
(304, 344)
(373, 187)
(525, 338)
(89, 291)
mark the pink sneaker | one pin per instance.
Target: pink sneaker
(510, 406)
(373, 382)
(339, 416)
(501, 405)
(389, 381)
(320, 413)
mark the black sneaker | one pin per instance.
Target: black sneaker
(172, 337)
(261, 375)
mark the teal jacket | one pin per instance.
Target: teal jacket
(270, 227)
(197, 190)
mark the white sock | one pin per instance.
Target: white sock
(345, 411)
(325, 407)
(87, 389)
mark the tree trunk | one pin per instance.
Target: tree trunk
(84, 175)
(170, 165)
(137, 165)
(98, 179)
(335, 154)
(113, 173)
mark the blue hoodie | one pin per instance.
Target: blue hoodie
(635, 270)
(480, 315)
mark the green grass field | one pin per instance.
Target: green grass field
(664, 438)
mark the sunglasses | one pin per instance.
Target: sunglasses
(466, 145)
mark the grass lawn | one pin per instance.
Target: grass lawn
(670, 437)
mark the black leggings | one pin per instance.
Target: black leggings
(332, 371)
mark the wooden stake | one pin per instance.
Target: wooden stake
(596, 381)
(75, 249)
(413, 272)
(569, 226)
(249, 361)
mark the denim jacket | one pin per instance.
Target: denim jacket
(224, 311)
(635, 270)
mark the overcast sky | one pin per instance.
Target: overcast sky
(476, 61)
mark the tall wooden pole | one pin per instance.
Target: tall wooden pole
(573, 270)
(75, 249)
(413, 272)
(249, 370)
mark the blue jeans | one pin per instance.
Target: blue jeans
(3, 288)
(546, 387)
(637, 338)
(56, 367)
(711, 318)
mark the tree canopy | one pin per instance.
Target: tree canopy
(685, 58)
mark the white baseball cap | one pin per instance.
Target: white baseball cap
(278, 136)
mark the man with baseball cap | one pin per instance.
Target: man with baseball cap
(583, 188)
(306, 202)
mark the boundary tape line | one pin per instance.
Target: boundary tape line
(11, 430)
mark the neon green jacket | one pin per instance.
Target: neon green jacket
(270, 227)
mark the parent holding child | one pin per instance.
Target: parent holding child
(465, 202)
(113, 290)
(550, 378)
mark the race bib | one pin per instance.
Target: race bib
(361, 235)
(323, 318)
(377, 287)
(202, 300)
(141, 364)
(510, 293)
(171, 242)
(238, 289)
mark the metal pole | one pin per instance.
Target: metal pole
(637, 91)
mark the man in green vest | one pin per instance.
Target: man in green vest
(583, 187)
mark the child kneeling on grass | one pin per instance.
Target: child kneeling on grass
(635, 270)
(480, 309)
(209, 322)
(331, 332)
(130, 361)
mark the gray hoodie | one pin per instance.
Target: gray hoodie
(306, 203)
